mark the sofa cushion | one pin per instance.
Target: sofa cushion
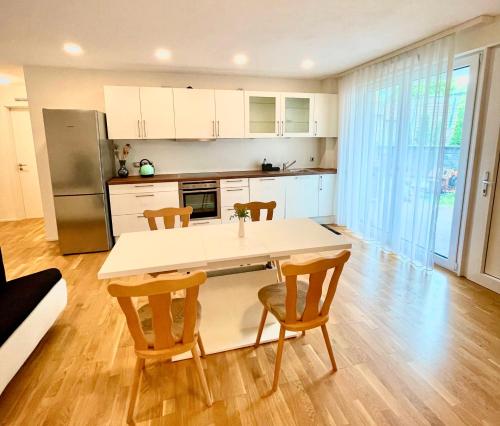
(20, 296)
(3, 278)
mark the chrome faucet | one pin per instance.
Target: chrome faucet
(287, 165)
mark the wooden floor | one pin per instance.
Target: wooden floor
(412, 348)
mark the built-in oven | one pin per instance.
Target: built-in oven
(203, 196)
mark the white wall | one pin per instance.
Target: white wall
(49, 87)
(10, 189)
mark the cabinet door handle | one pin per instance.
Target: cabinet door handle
(144, 127)
(218, 128)
(213, 128)
(237, 189)
(140, 215)
(145, 195)
(235, 180)
(282, 128)
(277, 128)
(267, 179)
(139, 127)
(321, 183)
(193, 223)
(316, 128)
(143, 186)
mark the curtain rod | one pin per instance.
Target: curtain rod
(474, 22)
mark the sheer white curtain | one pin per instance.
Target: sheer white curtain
(390, 149)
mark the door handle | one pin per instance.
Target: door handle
(218, 128)
(144, 127)
(238, 189)
(316, 128)
(139, 127)
(278, 128)
(282, 128)
(21, 165)
(213, 128)
(144, 195)
(486, 182)
(193, 223)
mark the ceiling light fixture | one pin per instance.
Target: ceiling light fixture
(72, 49)
(163, 54)
(307, 64)
(240, 59)
(5, 80)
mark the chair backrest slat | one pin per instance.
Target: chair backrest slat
(255, 207)
(317, 270)
(162, 320)
(159, 293)
(168, 214)
(133, 322)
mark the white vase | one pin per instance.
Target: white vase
(241, 230)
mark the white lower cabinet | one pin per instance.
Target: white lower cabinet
(302, 196)
(269, 189)
(327, 198)
(232, 191)
(129, 201)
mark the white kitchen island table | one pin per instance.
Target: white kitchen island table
(230, 307)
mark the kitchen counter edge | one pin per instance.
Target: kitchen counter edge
(182, 177)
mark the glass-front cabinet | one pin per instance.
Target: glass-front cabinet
(262, 111)
(274, 115)
(297, 114)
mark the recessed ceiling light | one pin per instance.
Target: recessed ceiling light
(5, 80)
(163, 54)
(72, 49)
(307, 64)
(240, 59)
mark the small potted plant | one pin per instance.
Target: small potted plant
(241, 213)
(121, 155)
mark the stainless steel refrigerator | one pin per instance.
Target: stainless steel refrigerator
(81, 161)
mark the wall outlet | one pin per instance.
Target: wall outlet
(311, 159)
(136, 164)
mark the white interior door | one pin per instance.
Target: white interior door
(26, 162)
(484, 245)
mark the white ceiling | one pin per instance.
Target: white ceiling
(203, 35)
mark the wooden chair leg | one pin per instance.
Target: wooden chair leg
(278, 270)
(201, 374)
(303, 332)
(139, 365)
(279, 354)
(200, 344)
(329, 346)
(261, 326)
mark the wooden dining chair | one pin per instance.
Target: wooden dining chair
(168, 214)
(164, 327)
(297, 305)
(255, 208)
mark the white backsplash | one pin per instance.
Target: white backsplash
(222, 154)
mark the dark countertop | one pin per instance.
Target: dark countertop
(178, 177)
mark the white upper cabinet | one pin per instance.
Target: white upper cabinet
(230, 113)
(194, 113)
(297, 114)
(262, 114)
(327, 195)
(325, 115)
(123, 112)
(301, 196)
(139, 112)
(157, 110)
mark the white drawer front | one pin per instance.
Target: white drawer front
(226, 214)
(229, 196)
(233, 183)
(137, 203)
(203, 222)
(137, 188)
(129, 223)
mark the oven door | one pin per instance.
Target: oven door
(205, 202)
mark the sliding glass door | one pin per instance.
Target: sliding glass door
(455, 161)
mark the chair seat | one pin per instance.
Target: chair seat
(273, 298)
(145, 316)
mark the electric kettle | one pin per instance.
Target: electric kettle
(146, 168)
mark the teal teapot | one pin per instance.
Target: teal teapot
(146, 168)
